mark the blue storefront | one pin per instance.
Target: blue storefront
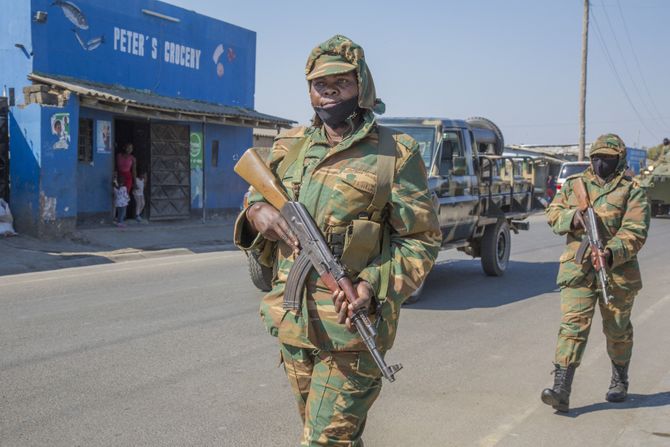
(89, 77)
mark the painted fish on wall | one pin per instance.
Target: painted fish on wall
(73, 13)
(78, 19)
(91, 44)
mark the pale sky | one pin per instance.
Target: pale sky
(516, 62)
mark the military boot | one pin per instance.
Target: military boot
(559, 396)
(619, 384)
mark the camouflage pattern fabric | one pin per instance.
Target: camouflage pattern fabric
(577, 308)
(624, 214)
(334, 391)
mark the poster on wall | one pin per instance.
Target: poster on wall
(196, 170)
(103, 137)
(60, 127)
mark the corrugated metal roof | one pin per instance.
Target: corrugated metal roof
(144, 99)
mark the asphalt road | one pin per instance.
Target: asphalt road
(170, 352)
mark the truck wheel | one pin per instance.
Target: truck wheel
(413, 298)
(496, 244)
(655, 209)
(261, 276)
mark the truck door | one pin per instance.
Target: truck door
(457, 187)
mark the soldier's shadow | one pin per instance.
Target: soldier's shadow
(461, 284)
(633, 401)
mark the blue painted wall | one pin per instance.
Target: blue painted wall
(225, 188)
(58, 178)
(94, 179)
(116, 43)
(25, 149)
(24, 124)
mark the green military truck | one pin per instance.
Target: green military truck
(655, 179)
(479, 194)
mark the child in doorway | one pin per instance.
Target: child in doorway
(138, 195)
(121, 199)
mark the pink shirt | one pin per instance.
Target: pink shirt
(124, 163)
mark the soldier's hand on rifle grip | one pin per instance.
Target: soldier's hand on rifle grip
(596, 257)
(578, 220)
(265, 219)
(346, 309)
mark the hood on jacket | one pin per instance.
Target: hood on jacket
(610, 144)
(339, 54)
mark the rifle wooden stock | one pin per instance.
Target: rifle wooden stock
(581, 194)
(255, 172)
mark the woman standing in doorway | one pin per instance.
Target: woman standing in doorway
(126, 165)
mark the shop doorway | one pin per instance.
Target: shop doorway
(162, 151)
(170, 172)
(138, 134)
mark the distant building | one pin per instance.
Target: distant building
(90, 76)
(264, 137)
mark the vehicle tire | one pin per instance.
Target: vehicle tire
(496, 245)
(478, 121)
(414, 297)
(260, 275)
(655, 209)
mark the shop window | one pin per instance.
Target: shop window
(85, 140)
(215, 153)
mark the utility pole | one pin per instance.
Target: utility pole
(582, 83)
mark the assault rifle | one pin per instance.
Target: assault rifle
(593, 240)
(314, 251)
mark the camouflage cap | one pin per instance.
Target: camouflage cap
(343, 52)
(610, 144)
(329, 64)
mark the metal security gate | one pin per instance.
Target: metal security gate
(170, 172)
(4, 149)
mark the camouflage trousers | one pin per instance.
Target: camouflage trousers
(577, 308)
(334, 391)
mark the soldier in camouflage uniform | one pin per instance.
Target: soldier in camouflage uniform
(332, 168)
(664, 151)
(622, 209)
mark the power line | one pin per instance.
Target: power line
(601, 40)
(625, 63)
(639, 69)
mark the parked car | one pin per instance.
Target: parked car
(569, 168)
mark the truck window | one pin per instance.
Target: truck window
(452, 160)
(425, 137)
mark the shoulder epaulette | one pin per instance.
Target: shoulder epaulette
(294, 132)
(573, 176)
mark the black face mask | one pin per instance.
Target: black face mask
(338, 114)
(604, 167)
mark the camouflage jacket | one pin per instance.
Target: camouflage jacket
(337, 186)
(624, 214)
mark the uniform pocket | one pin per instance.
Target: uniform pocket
(361, 244)
(353, 190)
